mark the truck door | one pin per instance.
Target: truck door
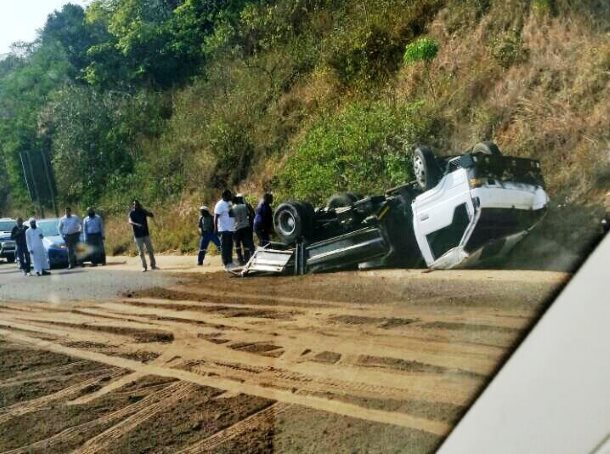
(442, 215)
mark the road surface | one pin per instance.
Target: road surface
(189, 359)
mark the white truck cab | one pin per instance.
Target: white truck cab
(481, 207)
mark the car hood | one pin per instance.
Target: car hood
(5, 235)
(55, 239)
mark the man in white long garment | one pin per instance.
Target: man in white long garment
(33, 237)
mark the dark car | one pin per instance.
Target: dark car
(7, 246)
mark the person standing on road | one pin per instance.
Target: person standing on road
(224, 226)
(139, 222)
(263, 220)
(243, 230)
(93, 232)
(21, 247)
(206, 231)
(33, 238)
(69, 228)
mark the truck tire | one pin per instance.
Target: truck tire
(342, 199)
(10, 259)
(292, 221)
(425, 168)
(487, 148)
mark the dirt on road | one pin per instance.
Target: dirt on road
(380, 361)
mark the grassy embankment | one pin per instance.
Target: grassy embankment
(329, 105)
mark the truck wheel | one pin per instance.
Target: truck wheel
(293, 220)
(425, 167)
(342, 199)
(488, 148)
(10, 259)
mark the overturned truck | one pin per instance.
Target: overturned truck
(461, 210)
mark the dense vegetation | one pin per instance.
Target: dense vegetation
(173, 100)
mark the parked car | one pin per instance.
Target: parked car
(461, 210)
(7, 246)
(53, 242)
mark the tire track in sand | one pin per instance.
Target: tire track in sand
(101, 442)
(288, 397)
(74, 432)
(22, 408)
(245, 425)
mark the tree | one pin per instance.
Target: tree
(422, 50)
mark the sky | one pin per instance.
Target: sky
(20, 19)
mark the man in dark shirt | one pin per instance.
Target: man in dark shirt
(206, 231)
(263, 220)
(139, 222)
(21, 249)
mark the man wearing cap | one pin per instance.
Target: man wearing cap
(206, 231)
(93, 232)
(243, 230)
(69, 228)
(33, 238)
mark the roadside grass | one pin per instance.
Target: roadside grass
(173, 229)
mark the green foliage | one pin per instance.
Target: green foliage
(69, 30)
(96, 139)
(25, 84)
(544, 8)
(368, 54)
(508, 49)
(423, 49)
(365, 148)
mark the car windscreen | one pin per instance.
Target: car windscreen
(7, 226)
(49, 227)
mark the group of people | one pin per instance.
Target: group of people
(234, 222)
(30, 250)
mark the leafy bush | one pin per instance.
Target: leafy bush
(423, 49)
(365, 148)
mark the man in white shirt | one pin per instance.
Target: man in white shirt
(33, 238)
(69, 228)
(224, 226)
(93, 232)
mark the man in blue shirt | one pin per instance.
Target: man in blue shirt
(69, 228)
(93, 231)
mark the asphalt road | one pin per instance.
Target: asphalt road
(120, 275)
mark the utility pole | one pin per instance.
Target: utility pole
(25, 177)
(47, 171)
(35, 186)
